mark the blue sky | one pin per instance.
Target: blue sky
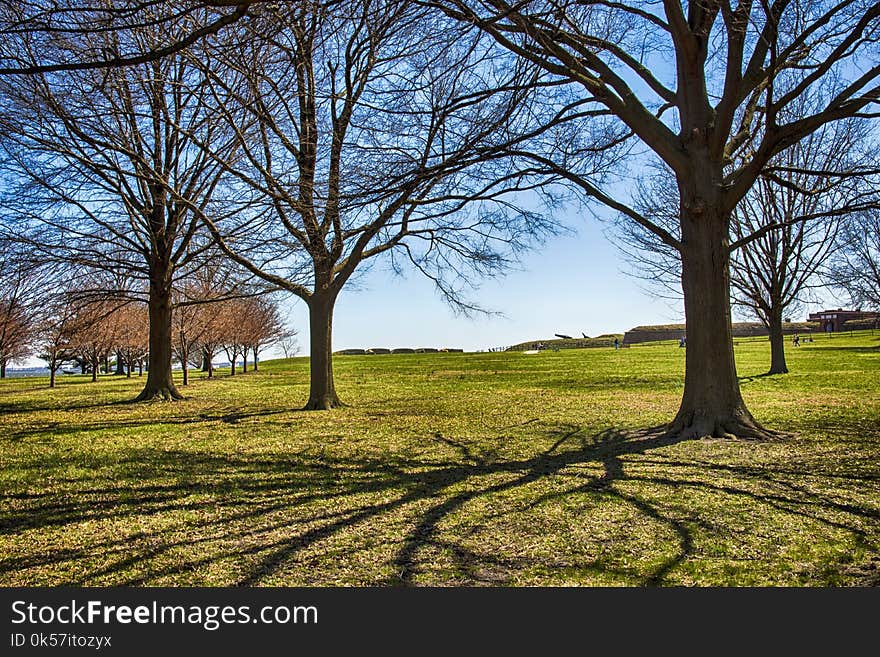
(573, 284)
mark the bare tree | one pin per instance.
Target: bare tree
(704, 86)
(18, 291)
(263, 325)
(856, 266)
(378, 127)
(786, 224)
(189, 322)
(132, 327)
(48, 21)
(234, 329)
(214, 319)
(803, 197)
(108, 176)
(199, 301)
(54, 332)
(96, 333)
(289, 344)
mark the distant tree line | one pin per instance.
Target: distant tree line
(71, 326)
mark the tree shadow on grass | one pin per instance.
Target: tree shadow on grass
(853, 350)
(178, 515)
(65, 427)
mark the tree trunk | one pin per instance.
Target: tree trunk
(95, 365)
(53, 365)
(231, 363)
(777, 343)
(206, 360)
(120, 365)
(140, 367)
(255, 358)
(244, 360)
(129, 368)
(184, 366)
(322, 390)
(711, 404)
(2, 369)
(160, 383)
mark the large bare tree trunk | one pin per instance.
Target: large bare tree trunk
(53, 364)
(2, 369)
(711, 404)
(777, 343)
(322, 390)
(160, 383)
(255, 358)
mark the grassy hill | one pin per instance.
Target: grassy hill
(569, 343)
(448, 469)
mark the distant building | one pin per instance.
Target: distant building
(832, 321)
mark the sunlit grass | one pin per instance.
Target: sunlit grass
(447, 469)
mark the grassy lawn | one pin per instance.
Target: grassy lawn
(448, 469)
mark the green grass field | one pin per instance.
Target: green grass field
(448, 469)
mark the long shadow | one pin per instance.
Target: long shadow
(65, 427)
(276, 484)
(264, 511)
(855, 350)
(751, 377)
(606, 447)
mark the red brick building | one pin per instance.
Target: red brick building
(832, 321)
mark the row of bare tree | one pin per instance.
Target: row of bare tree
(70, 325)
(303, 140)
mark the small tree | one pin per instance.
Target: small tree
(188, 323)
(856, 267)
(16, 329)
(56, 329)
(213, 334)
(234, 329)
(263, 326)
(17, 295)
(96, 333)
(132, 328)
(197, 324)
(289, 344)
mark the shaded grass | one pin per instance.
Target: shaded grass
(447, 469)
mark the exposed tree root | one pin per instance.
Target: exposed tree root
(323, 403)
(165, 393)
(740, 425)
